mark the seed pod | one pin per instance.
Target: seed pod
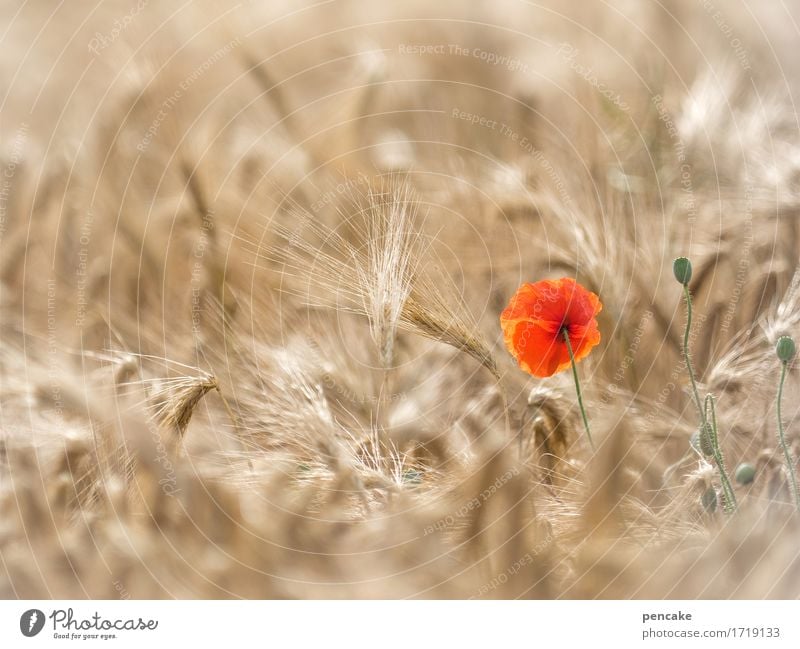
(682, 269)
(785, 348)
(745, 473)
(705, 441)
(709, 500)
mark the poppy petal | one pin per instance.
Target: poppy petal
(536, 347)
(540, 301)
(583, 338)
(581, 305)
(535, 318)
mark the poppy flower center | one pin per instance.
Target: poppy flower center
(543, 320)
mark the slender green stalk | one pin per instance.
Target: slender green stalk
(727, 488)
(501, 390)
(706, 444)
(782, 438)
(578, 388)
(688, 358)
(709, 437)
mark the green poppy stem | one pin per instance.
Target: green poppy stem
(781, 436)
(688, 359)
(578, 387)
(729, 503)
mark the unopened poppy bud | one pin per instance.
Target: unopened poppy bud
(709, 500)
(682, 269)
(745, 473)
(706, 445)
(785, 348)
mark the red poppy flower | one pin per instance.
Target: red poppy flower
(534, 321)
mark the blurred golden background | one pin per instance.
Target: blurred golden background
(252, 260)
